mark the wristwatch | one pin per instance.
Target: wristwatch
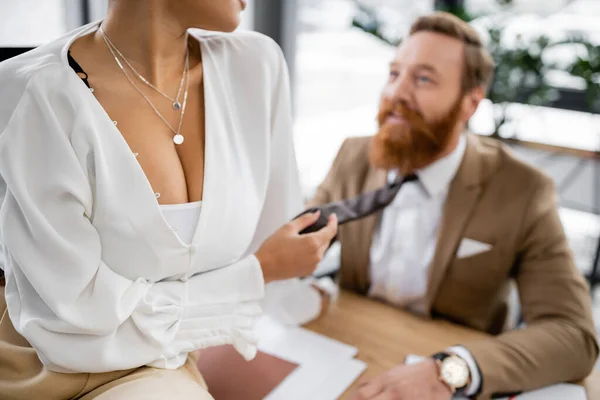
(453, 371)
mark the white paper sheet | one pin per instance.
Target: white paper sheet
(336, 384)
(300, 345)
(326, 367)
(308, 382)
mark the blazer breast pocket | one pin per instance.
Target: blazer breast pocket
(470, 247)
(478, 272)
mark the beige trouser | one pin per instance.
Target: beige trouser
(23, 377)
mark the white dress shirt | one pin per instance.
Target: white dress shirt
(405, 239)
(96, 279)
(404, 242)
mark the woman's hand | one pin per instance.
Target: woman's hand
(287, 254)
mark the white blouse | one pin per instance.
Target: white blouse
(96, 279)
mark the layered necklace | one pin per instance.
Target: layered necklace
(177, 104)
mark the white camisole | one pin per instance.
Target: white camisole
(183, 219)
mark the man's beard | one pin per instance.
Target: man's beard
(414, 144)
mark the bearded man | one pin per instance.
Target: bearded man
(468, 221)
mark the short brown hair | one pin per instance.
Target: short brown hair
(479, 65)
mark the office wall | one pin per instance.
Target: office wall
(97, 10)
(248, 17)
(31, 22)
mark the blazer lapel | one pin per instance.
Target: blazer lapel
(463, 194)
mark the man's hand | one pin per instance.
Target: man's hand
(406, 382)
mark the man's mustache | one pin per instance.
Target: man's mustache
(405, 112)
(414, 119)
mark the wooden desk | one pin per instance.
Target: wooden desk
(385, 335)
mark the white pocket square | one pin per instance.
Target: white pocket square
(469, 247)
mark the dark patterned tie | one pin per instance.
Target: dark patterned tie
(357, 207)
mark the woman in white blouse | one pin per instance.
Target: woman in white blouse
(142, 214)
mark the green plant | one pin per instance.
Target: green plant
(520, 73)
(366, 17)
(587, 67)
(366, 20)
(456, 7)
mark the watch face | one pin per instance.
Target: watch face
(455, 372)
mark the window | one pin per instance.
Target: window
(29, 23)
(340, 71)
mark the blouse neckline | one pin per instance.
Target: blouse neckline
(148, 198)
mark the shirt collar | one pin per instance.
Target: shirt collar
(436, 177)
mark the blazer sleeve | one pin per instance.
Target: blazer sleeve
(558, 343)
(62, 297)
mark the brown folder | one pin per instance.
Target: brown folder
(230, 377)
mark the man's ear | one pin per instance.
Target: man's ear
(471, 101)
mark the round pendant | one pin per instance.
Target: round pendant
(176, 106)
(178, 139)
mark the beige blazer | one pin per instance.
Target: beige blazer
(499, 200)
